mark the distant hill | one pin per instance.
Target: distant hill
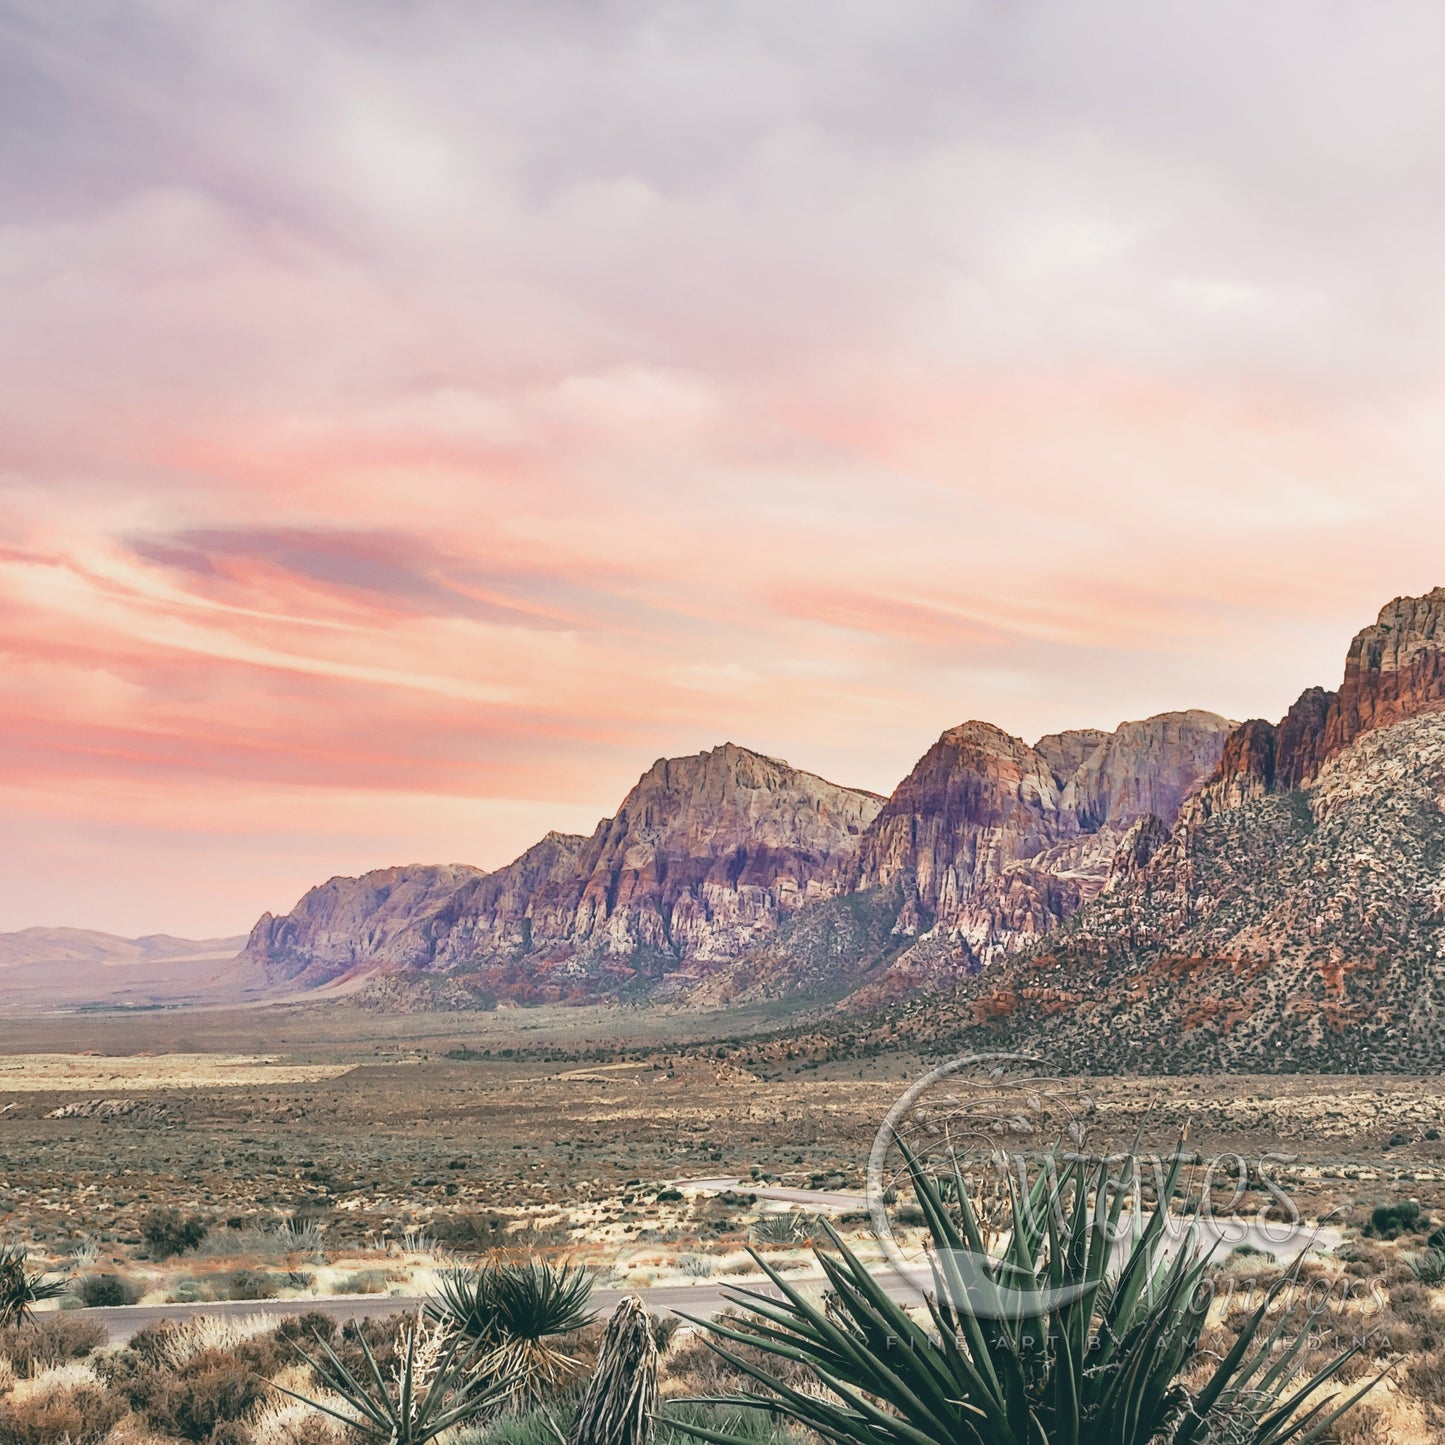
(67, 966)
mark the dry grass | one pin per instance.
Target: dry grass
(76, 1073)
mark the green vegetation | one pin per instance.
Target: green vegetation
(168, 1234)
(106, 1291)
(1390, 1221)
(20, 1290)
(1041, 1345)
(514, 1313)
(434, 1386)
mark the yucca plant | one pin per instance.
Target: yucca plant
(514, 1313)
(21, 1291)
(789, 1228)
(1429, 1268)
(1078, 1331)
(432, 1387)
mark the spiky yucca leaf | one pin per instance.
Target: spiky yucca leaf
(514, 1312)
(21, 1291)
(433, 1386)
(1076, 1332)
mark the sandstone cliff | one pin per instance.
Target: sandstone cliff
(704, 858)
(1300, 930)
(993, 843)
(1394, 669)
(987, 846)
(348, 921)
(1293, 917)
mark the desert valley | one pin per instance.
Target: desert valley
(643, 1053)
(721, 723)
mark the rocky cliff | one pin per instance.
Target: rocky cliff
(348, 921)
(990, 842)
(987, 846)
(1394, 669)
(703, 859)
(1294, 916)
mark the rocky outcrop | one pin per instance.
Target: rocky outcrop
(1067, 752)
(995, 843)
(1145, 768)
(1300, 740)
(380, 917)
(708, 852)
(1394, 670)
(1294, 915)
(977, 800)
(1299, 930)
(704, 858)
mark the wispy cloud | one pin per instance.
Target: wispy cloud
(419, 418)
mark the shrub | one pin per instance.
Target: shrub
(167, 1234)
(81, 1416)
(433, 1387)
(49, 1341)
(364, 1281)
(514, 1312)
(664, 1331)
(471, 1232)
(312, 1326)
(214, 1388)
(1389, 1221)
(252, 1284)
(105, 1291)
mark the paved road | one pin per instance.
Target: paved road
(705, 1299)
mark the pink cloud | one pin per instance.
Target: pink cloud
(414, 427)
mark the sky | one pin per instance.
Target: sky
(417, 418)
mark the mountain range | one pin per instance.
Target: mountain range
(730, 875)
(1182, 891)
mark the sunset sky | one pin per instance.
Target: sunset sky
(418, 418)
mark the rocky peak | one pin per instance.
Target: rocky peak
(1300, 739)
(704, 856)
(707, 852)
(989, 843)
(347, 921)
(1145, 768)
(729, 797)
(1393, 670)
